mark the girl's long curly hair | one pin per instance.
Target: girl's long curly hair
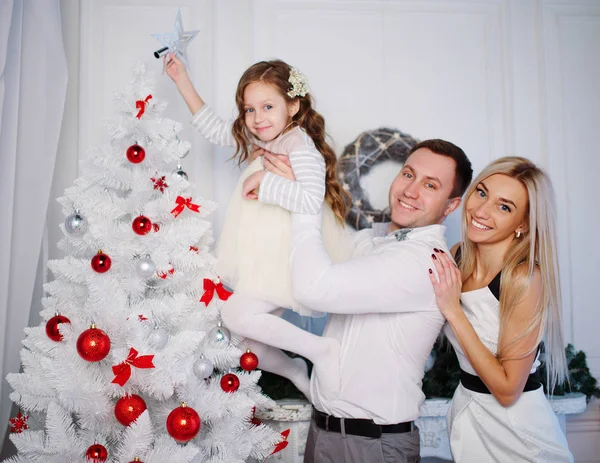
(277, 73)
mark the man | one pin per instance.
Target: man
(384, 313)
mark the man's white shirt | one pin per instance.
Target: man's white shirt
(383, 314)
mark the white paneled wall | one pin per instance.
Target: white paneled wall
(570, 39)
(571, 45)
(496, 77)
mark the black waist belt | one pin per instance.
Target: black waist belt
(474, 383)
(358, 427)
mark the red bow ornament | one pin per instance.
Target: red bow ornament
(283, 443)
(209, 291)
(141, 105)
(122, 371)
(182, 203)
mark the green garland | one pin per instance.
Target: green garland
(443, 378)
(580, 377)
(278, 387)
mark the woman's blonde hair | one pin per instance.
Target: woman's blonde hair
(277, 73)
(535, 247)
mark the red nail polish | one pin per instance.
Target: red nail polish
(436, 249)
(430, 271)
(433, 257)
(442, 251)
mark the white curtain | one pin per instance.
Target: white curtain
(33, 83)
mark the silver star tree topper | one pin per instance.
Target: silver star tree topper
(175, 42)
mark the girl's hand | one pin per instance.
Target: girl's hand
(256, 152)
(448, 288)
(175, 69)
(251, 184)
(279, 164)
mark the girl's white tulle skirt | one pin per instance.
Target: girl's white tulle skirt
(254, 248)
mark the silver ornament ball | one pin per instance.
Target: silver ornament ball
(180, 173)
(220, 334)
(145, 267)
(75, 224)
(203, 368)
(159, 338)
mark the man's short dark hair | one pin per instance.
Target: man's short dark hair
(463, 173)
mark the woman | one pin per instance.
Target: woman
(500, 303)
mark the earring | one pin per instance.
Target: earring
(519, 234)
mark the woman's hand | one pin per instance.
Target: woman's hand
(279, 164)
(251, 184)
(448, 286)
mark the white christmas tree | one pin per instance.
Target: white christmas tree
(131, 363)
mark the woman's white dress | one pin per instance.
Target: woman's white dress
(480, 429)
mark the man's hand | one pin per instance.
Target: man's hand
(279, 164)
(251, 184)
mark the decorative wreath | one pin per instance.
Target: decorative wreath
(369, 149)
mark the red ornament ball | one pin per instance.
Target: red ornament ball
(52, 327)
(141, 225)
(156, 227)
(183, 423)
(129, 408)
(93, 344)
(96, 453)
(136, 154)
(230, 383)
(101, 262)
(248, 361)
(136, 460)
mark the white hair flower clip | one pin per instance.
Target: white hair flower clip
(299, 84)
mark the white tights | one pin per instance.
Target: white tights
(254, 319)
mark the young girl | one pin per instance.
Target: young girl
(275, 113)
(499, 306)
